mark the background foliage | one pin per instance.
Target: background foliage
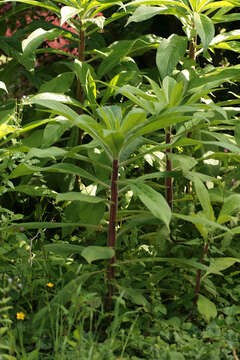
(119, 130)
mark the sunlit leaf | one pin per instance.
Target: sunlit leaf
(169, 52)
(205, 29)
(203, 197)
(59, 84)
(3, 86)
(231, 204)
(32, 42)
(154, 201)
(68, 12)
(92, 253)
(144, 12)
(220, 264)
(206, 308)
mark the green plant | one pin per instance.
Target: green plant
(84, 221)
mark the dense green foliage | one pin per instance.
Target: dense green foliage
(119, 158)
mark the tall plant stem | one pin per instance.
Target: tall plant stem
(80, 93)
(193, 45)
(112, 227)
(192, 55)
(168, 181)
(192, 49)
(81, 57)
(199, 273)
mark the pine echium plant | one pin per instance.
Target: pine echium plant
(180, 90)
(198, 19)
(117, 129)
(179, 100)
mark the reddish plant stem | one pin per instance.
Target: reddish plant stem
(199, 273)
(112, 226)
(81, 57)
(168, 181)
(192, 55)
(80, 93)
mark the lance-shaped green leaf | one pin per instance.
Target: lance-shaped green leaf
(139, 97)
(134, 117)
(43, 4)
(168, 86)
(68, 12)
(202, 85)
(84, 121)
(115, 54)
(223, 5)
(65, 168)
(115, 140)
(51, 152)
(220, 264)
(205, 29)
(111, 116)
(173, 3)
(92, 253)
(167, 118)
(94, 7)
(206, 308)
(33, 190)
(225, 18)
(185, 162)
(64, 249)
(226, 36)
(196, 219)
(3, 86)
(231, 204)
(61, 98)
(98, 20)
(229, 45)
(204, 198)
(76, 196)
(54, 131)
(109, 136)
(59, 108)
(59, 84)
(169, 52)
(223, 142)
(85, 76)
(173, 91)
(33, 41)
(144, 44)
(144, 12)
(154, 201)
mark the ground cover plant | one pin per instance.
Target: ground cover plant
(119, 180)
